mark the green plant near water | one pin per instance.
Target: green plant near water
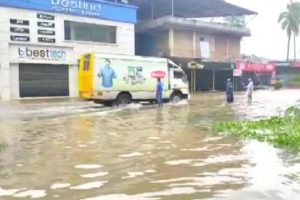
(3, 146)
(295, 80)
(282, 132)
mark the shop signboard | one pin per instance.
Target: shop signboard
(86, 8)
(194, 65)
(19, 38)
(296, 64)
(237, 72)
(205, 49)
(46, 32)
(256, 67)
(45, 16)
(19, 22)
(46, 24)
(40, 54)
(19, 30)
(46, 40)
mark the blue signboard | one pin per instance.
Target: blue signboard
(88, 8)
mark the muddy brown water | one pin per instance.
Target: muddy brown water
(76, 150)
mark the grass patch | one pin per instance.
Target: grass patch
(282, 132)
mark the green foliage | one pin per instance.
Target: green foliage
(292, 112)
(278, 84)
(281, 132)
(290, 21)
(236, 21)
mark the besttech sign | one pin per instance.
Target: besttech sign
(46, 54)
(89, 8)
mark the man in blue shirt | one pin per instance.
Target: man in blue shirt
(159, 92)
(107, 73)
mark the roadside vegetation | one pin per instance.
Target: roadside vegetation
(3, 146)
(282, 132)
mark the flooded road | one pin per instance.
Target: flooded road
(76, 150)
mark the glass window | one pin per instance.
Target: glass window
(180, 75)
(77, 31)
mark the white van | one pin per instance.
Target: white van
(107, 78)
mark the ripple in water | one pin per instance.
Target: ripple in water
(34, 194)
(56, 186)
(134, 154)
(88, 166)
(8, 192)
(88, 186)
(94, 175)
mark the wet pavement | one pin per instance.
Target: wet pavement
(70, 149)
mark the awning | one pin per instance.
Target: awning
(188, 8)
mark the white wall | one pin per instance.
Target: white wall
(14, 81)
(125, 45)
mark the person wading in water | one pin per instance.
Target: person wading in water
(229, 92)
(159, 92)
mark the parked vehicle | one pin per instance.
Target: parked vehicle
(107, 78)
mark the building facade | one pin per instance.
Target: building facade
(189, 38)
(179, 30)
(41, 42)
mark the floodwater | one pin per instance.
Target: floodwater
(68, 149)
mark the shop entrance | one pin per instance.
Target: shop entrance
(43, 80)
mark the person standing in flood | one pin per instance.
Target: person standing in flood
(250, 88)
(159, 92)
(229, 92)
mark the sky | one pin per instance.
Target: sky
(267, 40)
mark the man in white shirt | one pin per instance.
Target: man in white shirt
(250, 88)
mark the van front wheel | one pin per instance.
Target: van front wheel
(123, 99)
(176, 97)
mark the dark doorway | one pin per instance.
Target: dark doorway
(43, 80)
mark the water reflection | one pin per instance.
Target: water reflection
(77, 152)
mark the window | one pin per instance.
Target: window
(180, 75)
(77, 31)
(86, 64)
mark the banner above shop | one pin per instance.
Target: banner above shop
(256, 67)
(88, 8)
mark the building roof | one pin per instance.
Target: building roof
(165, 23)
(189, 8)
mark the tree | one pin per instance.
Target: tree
(290, 21)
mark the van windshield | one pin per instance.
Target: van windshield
(180, 75)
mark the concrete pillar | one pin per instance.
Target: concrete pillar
(171, 41)
(152, 10)
(73, 81)
(172, 2)
(227, 48)
(194, 44)
(214, 80)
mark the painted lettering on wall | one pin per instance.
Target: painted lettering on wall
(72, 6)
(99, 9)
(42, 54)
